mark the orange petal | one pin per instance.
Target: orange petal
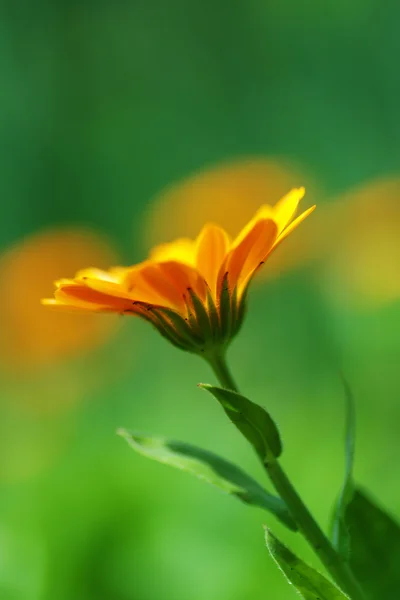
(250, 248)
(94, 273)
(260, 249)
(135, 285)
(109, 288)
(81, 296)
(60, 282)
(70, 308)
(264, 212)
(285, 209)
(184, 277)
(155, 284)
(180, 250)
(212, 245)
(293, 226)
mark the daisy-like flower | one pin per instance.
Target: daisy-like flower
(192, 291)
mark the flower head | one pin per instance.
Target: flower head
(192, 291)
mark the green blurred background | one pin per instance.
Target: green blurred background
(103, 107)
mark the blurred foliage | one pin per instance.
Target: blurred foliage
(371, 527)
(106, 108)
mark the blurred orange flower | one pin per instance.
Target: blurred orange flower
(192, 291)
(32, 336)
(364, 268)
(229, 194)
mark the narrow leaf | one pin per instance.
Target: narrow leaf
(375, 547)
(310, 584)
(340, 532)
(252, 420)
(211, 468)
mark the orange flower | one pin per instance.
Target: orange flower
(33, 338)
(192, 291)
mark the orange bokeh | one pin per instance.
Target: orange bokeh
(32, 335)
(364, 233)
(229, 194)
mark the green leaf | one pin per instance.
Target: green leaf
(252, 420)
(211, 468)
(375, 547)
(340, 532)
(310, 584)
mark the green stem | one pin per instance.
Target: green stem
(220, 367)
(321, 545)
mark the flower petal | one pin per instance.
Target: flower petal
(260, 249)
(180, 250)
(109, 288)
(285, 209)
(82, 296)
(212, 245)
(98, 274)
(151, 284)
(264, 212)
(66, 307)
(245, 282)
(165, 283)
(293, 225)
(185, 277)
(245, 257)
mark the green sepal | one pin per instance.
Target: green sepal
(168, 332)
(309, 584)
(340, 532)
(191, 318)
(210, 468)
(236, 324)
(241, 310)
(213, 316)
(242, 304)
(202, 317)
(225, 309)
(253, 421)
(375, 547)
(180, 326)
